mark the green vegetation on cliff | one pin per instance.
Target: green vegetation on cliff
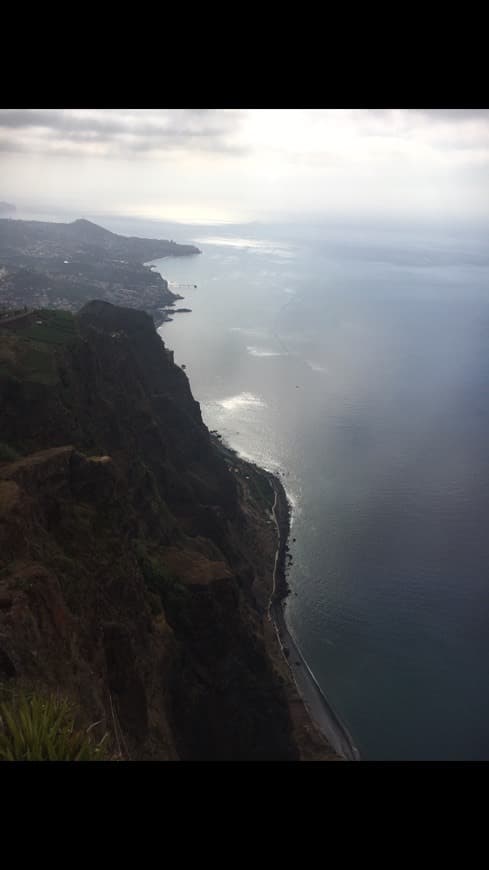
(129, 563)
(36, 728)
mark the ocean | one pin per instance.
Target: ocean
(356, 365)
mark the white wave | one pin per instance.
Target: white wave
(295, 509)
(263, 460)
(258, 351)
(242, 400)
(258, 332)
(274, 467)
(316, 367)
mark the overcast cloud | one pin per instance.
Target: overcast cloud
(197, 164)
(114, 132)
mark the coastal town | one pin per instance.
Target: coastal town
(62, 266)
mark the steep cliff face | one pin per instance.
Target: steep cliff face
(132, 574)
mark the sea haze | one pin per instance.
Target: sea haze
(357, 365)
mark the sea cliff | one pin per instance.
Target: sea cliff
(137, 555)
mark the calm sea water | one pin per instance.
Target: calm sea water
(358, 367)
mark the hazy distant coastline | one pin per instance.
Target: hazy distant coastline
(63, 266)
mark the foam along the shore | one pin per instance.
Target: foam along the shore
(316, 703)
(314, 700)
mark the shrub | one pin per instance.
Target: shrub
(8, 454)
(172, 594)
(35, 728)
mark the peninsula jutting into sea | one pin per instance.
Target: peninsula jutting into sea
(142, 562)
(63, 266)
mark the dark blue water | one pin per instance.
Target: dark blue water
(358, 366)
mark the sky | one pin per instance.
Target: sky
(238, 165)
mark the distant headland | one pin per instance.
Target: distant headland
(65, 265)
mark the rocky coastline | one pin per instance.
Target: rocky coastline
(136, 561)
(316, 743)
(316, 703)
(211, 532)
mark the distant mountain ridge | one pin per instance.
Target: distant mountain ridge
(25, 237)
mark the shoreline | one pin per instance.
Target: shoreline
(319, 710)
(316, 703)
